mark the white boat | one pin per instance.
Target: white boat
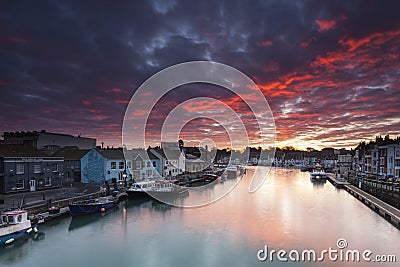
(154, 188)
(14, 225)
(318, 174)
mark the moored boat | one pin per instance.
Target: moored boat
(14, 225)
(318, 174)
(161, 188)
(88, 206)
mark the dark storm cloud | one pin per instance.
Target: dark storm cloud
(72, 66)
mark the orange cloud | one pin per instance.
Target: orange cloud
(375, 39)
(326, 25)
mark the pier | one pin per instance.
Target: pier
(337, 183)
(385, 210)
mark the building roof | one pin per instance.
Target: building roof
(144, 154)
(71, 153)
(168, 153)
(8, 150)
(111, 153)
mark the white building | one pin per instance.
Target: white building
(172, 162)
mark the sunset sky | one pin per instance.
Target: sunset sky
(329, 69)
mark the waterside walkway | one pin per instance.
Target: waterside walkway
(385, 210)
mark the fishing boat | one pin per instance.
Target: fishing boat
(14, 225)
(161, 188)
(318, 174)
(92, 205)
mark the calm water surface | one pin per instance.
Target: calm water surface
(288, 212)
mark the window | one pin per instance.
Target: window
(121, 165)
(154, 164)
(47, 181)
(138, 165)
(148, 164)
(55, 167)
(149, 173)
(113, 165)
(19, 168)
(129, 164)
(19, 184)
(37, 168)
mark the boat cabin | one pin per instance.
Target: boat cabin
(13, 217)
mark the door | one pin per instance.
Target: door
(32, 185)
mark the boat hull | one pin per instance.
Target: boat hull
(156, 194)
(82, 209)
(137, 194)
(12, 237)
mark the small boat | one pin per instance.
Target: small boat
(14, 225)
(91, 205)
(318, 174)
(160, 188)
(139, 189)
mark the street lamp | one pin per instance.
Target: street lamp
(124, 177)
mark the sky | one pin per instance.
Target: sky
(328, 69)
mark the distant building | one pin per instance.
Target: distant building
(344, 164)
(72, 162)
(48, 141)
(171, 145)
(24, 168)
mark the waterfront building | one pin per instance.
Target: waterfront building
(194, 164)
(344, 164)
(72, 162)
(47, 141)
(390, 159)
(381, 160)
(142, 164)
(397, 161)
(101, 165)
(172, 162)
(380, 157)
(23, 168)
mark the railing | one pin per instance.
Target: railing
(388, 192)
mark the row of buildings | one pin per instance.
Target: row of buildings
(380, 157)
(38, 160)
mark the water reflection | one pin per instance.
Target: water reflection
(288, 212)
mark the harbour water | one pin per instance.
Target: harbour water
(287, 213)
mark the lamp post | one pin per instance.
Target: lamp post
(124, 175)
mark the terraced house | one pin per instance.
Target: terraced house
(24, 168)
